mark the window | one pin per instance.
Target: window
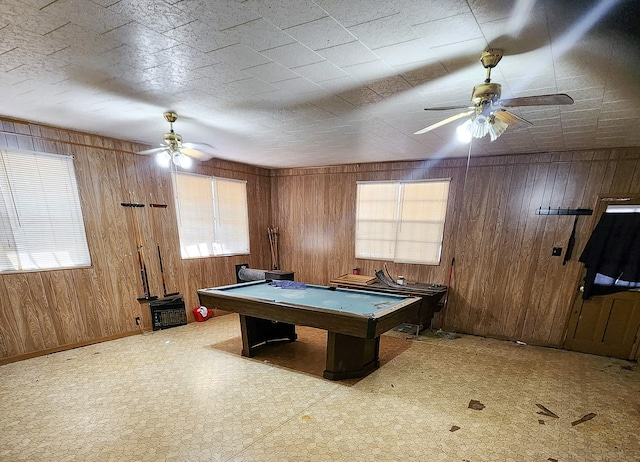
(402, 221)
(212, 216)
(41, 226)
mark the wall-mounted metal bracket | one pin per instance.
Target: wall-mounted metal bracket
(550, 211)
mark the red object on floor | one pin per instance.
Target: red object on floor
(197, 313)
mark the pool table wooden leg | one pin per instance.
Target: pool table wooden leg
(350, 357)
(257, 331)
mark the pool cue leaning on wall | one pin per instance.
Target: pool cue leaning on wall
(164, 282)
(140, 250)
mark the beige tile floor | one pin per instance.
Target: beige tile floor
(185, 394)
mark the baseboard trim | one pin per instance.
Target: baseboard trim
(71, 346)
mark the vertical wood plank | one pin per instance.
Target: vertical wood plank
(24, 312)
(11, 338)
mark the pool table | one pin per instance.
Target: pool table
(354, 319)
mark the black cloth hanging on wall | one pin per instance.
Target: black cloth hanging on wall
(612, 255)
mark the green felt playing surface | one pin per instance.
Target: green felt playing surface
(344, 300)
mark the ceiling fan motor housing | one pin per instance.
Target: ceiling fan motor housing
(485, 94)
(173, 140)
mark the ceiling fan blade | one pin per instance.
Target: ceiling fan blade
(444, 122)
(510, 118)
(197, 154)
(541, 100)
(446, 108)
(152, 151)
(200, 147)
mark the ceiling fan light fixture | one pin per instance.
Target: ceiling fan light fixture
(463, 132)
(163, 159)
(181, 160)
(185, 161)
(496, 127)
(479, 126)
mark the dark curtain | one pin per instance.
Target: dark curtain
(612, 255)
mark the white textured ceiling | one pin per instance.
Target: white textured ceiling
(287, 83)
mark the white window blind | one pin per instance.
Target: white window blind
(376, 220)
(41, 225)
(401, 221)
(213, 216)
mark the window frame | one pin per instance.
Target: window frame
(396, 204)
(212, 247)
(41, 215)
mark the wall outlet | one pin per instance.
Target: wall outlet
(137, 321)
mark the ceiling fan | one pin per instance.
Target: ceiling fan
(174, 150)
(487, 113)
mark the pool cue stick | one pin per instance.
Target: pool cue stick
(272, 244)
(140, 262)
(164, 285)
(143, 266)
(140, 250)
(273, 239)
(277, 250)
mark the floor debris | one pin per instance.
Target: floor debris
(454, 428)
(541, 422)
(546, 412)
(447, 335)
(583, 419)
(476, 405)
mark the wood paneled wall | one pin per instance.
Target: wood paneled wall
(48, 311)
(505, 283)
